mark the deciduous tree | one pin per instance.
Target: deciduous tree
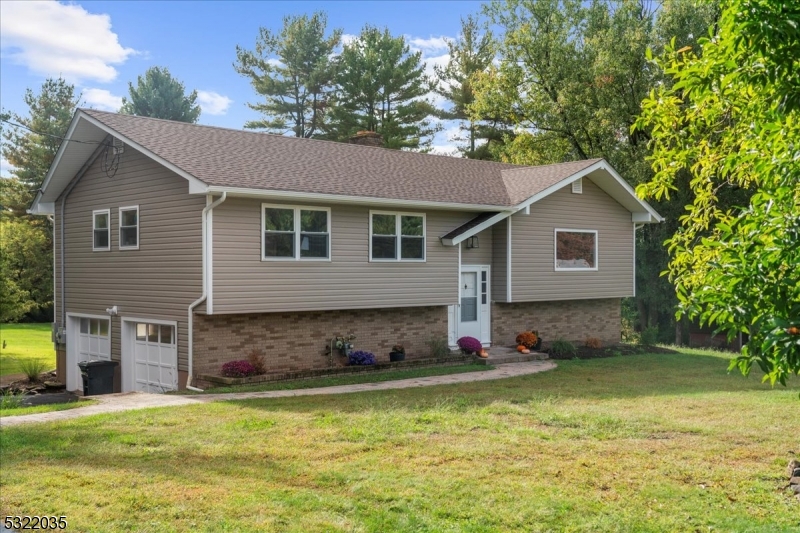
(31, 143)
(731, 120)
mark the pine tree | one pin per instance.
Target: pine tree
(471, 53)
(293, 71)
(26, 259)
(159, 95)
(381, 87)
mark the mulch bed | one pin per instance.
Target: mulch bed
(584, 352)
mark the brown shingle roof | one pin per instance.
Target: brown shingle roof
(243, 159)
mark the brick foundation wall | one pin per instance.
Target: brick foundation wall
(297, 341)
(573, 320)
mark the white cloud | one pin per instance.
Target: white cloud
(52, 39)
(348, 38)
(430, 45)
(5, 168)
(212, 103)
(102, 99)
(440, 149)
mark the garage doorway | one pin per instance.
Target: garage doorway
(149, 355)
(88, 339)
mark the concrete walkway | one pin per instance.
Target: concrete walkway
(127, 401)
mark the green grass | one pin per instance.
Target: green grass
(351, 379)
(36, 409)
(646, 443)
(25, 341)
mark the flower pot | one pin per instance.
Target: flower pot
(396, 356)
(538, 345)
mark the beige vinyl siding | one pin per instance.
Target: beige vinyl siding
(162, 277)
(500, 261)
(481, 255)
(243, 283)
(533, 275)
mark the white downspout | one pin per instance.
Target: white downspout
(206, 288)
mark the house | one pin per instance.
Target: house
(179, 247)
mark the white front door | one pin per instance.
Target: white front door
(155, 357)
(472, 315)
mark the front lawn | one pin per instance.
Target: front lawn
(25, 341)
(645, 443)
(47, 408)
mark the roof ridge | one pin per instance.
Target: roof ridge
(528, 167)
(286, 138)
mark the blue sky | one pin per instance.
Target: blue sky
(101, 46)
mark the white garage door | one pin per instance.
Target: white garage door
(155, 358)
(93, 340)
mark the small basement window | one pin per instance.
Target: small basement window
(129, 228)
(576, 249)
(101, 240)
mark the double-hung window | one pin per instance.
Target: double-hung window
(576, 249)
(296, 233)
(101, 230)
(129, 228)
(397, 236)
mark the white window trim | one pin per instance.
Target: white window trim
(138, 224)
(297, 209)
(399, 237)
(596, 250)
(107, 213)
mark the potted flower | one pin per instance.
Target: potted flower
(472, 345)
(398, 353)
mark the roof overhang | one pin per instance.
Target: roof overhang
(604, 176)
(84, 135)
(269, 194)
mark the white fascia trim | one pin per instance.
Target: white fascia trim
(600, 165)
(345, 199)
(61, 149)
(477, 229)
(194, 183)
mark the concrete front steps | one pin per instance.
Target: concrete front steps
(499, 355)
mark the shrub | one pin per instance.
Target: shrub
(32, 368)
(563, 348)
(360, 357)
(439, 347)
(469, 345)
(649, 336)
(256, 358)
(238, 369)
(527, 339)
(398, 348)
(593, 342)
(10, 400)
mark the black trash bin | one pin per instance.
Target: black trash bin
(98, 377)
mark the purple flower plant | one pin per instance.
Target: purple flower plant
(360, 357)
(470, 345)
(238, 369)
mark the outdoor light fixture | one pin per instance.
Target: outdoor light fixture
(472, 242)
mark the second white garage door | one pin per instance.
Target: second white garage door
(155, 356)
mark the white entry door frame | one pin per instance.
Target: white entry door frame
(472, 315)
